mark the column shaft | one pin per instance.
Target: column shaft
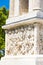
(30, 5)
(16, 7)
(11, 10)
(35, 5)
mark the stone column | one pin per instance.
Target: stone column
(35, 5)
(11, 10)
(16, 7)
(36, 38)
(30, 8)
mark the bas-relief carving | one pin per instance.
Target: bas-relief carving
(20, 41)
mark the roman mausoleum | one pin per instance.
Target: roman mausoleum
(24, 33)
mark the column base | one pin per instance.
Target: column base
(23, 60)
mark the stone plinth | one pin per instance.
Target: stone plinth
(19, 60)
(23, 41)
(22, 60)
(24, 33)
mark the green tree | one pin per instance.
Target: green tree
(3, 16)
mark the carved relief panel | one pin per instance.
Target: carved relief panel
(20, 41)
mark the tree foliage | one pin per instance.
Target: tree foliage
(3, 17)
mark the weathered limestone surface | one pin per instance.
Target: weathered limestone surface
(23, 42)
(20, 41)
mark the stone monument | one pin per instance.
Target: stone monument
(24, 33)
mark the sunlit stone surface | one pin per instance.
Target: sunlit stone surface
(24, 33)
(20, 40)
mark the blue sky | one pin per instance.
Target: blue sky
(4, 3)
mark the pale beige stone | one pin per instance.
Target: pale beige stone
(21, 40)
(11, 10)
